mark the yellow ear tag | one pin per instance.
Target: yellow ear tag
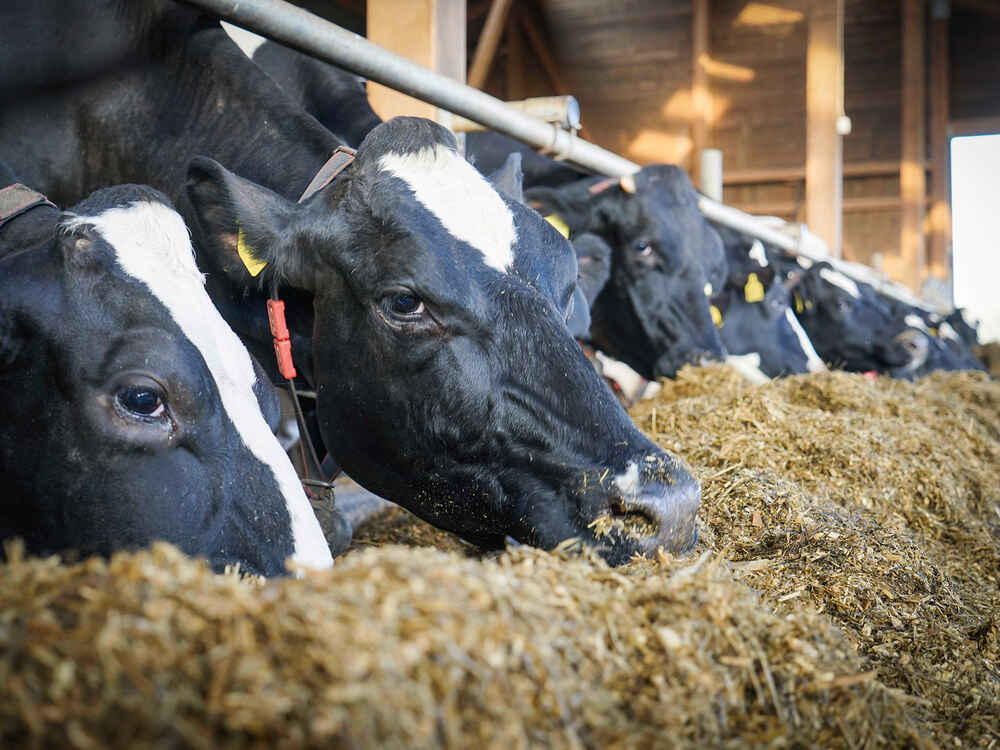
(561, 226)
(253, 264)
(799, 307)
(716, 316)
(934, 331)
(754, 290)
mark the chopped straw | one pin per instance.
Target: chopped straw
(844, 594)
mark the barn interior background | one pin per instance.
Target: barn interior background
(767, 83)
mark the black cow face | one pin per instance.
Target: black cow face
(446, 376)
(755, 318)
(593, 260)
(931, 341)
(131, 412)
(850, 325)
(753, 312)
(653, 313)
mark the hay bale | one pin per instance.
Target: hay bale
(844, 593)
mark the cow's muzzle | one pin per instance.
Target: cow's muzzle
(659, 513)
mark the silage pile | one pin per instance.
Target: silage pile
(844, 594)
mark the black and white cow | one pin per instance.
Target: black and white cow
(130, 410)
(850, 325)
(653, 314)
(428, 310)
(753, 310)
(934, 344)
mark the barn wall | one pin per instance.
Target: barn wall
(629, 63)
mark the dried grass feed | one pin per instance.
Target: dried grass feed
(845, 592)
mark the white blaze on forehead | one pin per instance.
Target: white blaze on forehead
(838, 279)
(915, 321)
(757, 253)
(813, 362)
(151, 243)
(245, 40)
(947, 332)
(463, 201)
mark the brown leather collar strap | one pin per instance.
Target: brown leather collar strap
(16, 199)
(336, 164)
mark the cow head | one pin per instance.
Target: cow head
(754, 317)
(848, 323)
(753, 310)
(131, 412)
(653, 313)
(447, 379)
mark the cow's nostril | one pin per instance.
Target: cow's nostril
(637, 524)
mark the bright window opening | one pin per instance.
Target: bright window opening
(975, 196)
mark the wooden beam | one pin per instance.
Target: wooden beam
(974, 126)
(824, 104)
(429, 32)
(545, 58)
(700, 101)
(515, 59)
(489, 40)
(989, 7)
(541, 50)
(939, 255)
(871, 204)
(796, 174)
(912, 180)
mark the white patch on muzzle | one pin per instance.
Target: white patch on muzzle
(840, 280)
(461, 198)
(748, 365)
(813, 362)
(152, 244)
(628, 481)
(633, 385)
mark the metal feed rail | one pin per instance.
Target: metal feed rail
(315, 36)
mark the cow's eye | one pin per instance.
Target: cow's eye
(141, 399)
(643, 249)
(404, 305)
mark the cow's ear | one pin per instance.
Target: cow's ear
(578, 320)
(241, 226)
(509, 179)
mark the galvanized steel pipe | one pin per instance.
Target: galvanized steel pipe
(304, 31)
(297, 28)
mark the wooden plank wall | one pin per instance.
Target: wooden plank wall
(630, 65)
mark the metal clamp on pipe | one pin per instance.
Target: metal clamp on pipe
(561, 111)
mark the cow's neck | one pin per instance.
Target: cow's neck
(29, 230)
(244, 121)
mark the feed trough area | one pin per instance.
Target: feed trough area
(844, 592)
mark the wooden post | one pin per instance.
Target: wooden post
(940, 215)
(700, 101)
(489, 40)
(824, 104)
(912, 180)
(515, 59)
(429, 32)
